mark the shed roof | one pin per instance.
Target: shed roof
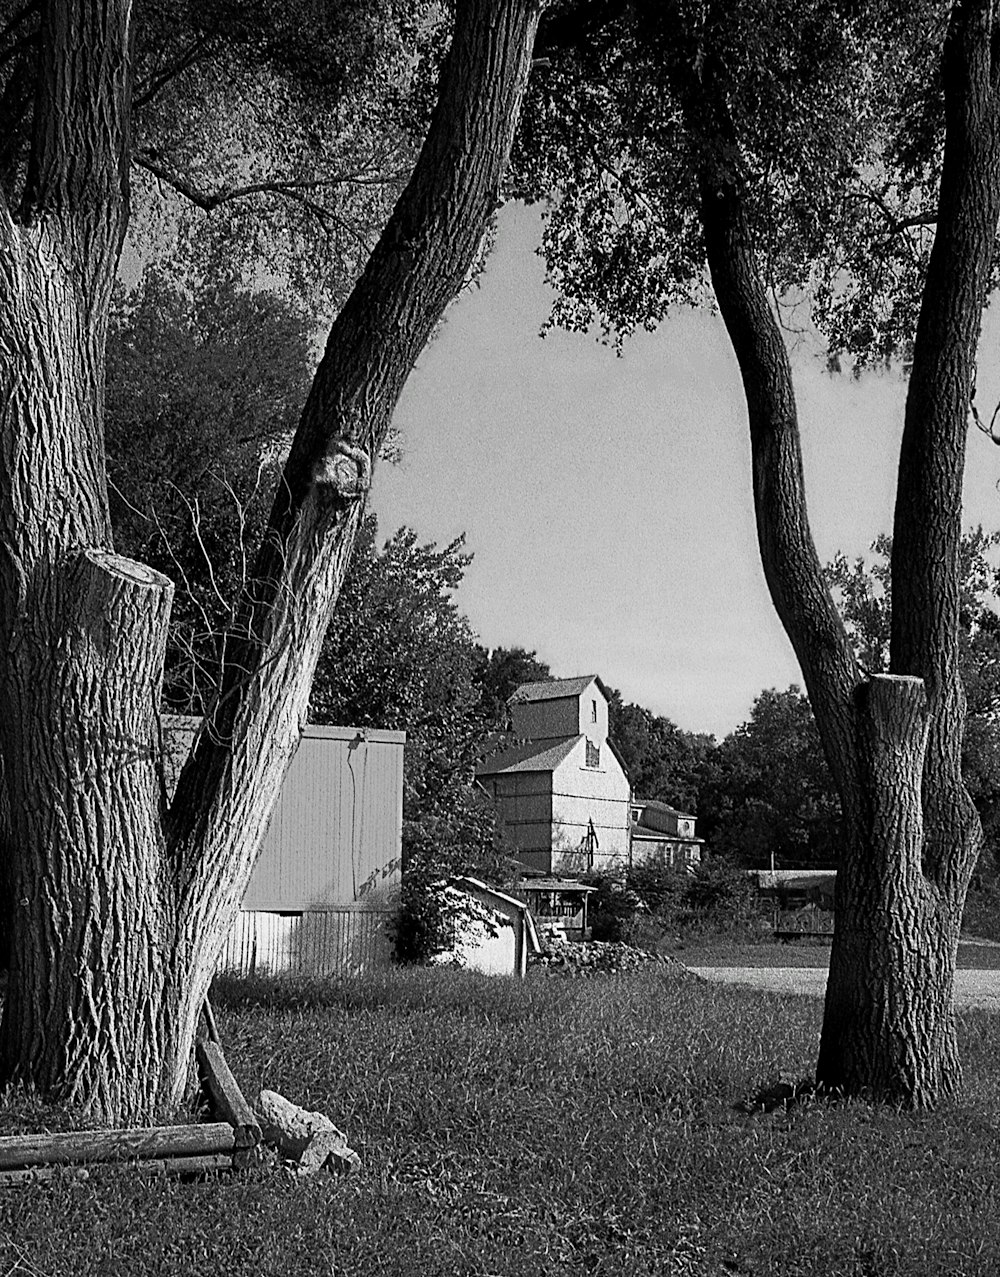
(531, 756)
(658, 806)
(500, 898)
(555, 884)
(556, 689)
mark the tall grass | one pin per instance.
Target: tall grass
(551, 1127)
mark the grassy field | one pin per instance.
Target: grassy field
(811, 953)
(552, 1127)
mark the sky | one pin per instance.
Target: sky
(607, 500)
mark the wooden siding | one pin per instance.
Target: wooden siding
(318, 943)
(544, 720)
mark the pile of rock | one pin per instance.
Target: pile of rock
(595, 957)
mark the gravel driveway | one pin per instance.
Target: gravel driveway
(972, 988)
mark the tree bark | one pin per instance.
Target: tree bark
(893, 742)
(121, 908)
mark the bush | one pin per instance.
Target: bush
(613, 908)
(720, 891)
(661, 888)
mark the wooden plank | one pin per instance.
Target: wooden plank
(66, 1147)
(227, 1100)
(206, 1163)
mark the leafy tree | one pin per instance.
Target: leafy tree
(769, 793)
(400, 655)
(850, 155)
(203, 396)
(663, 762)
(863, 590)
(502, 671)
(121, 907)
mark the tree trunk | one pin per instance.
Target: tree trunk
(888, 1025)
(121, 908)
(893, 742)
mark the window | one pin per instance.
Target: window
(593, 754)
(593, 711)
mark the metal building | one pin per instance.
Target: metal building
(325, 883)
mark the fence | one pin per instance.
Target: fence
(329, 940)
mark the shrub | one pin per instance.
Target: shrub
(661, 888)
(613, 909)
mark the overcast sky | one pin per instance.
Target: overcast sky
(607, 500)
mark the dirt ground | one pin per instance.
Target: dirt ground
(974, 989)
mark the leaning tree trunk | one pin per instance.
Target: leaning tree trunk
(120, 907)
(893, 743)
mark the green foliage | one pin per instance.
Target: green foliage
(655, 901)
(549, 1126)
(503, 671)
(274, 140)
(863, 590)
(769, 791)
(833, 121)
(612, 909)
(663, 762)
(204, 389)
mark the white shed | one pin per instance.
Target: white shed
(502, 946)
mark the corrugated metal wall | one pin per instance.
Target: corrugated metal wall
(331, 858)
(318, 943)
(335, 836)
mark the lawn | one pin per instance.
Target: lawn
(722, 952)
(555, 1126)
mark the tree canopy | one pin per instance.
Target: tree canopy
(204, 390)
(846, 157)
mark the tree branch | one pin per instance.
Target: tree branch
(295, 189)
(193, 54)
(791, 565)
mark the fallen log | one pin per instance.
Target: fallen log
(61, 1148)
(201, 1165)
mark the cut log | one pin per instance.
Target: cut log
(143, 1143)
(206, 1163)
(228, 1102)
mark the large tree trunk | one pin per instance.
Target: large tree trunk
(121, 908)
(893, 742)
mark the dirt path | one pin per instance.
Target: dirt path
(973, 989)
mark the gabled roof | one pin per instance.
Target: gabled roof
(556, 689)
(531, 756)
(493, 897)
(656, 805)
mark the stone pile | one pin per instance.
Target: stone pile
(595, 957)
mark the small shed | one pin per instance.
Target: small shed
(557, 902)
(502, 946)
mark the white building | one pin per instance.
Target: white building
(563, 792)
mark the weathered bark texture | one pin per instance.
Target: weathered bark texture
(893, 742)
(121, 907)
